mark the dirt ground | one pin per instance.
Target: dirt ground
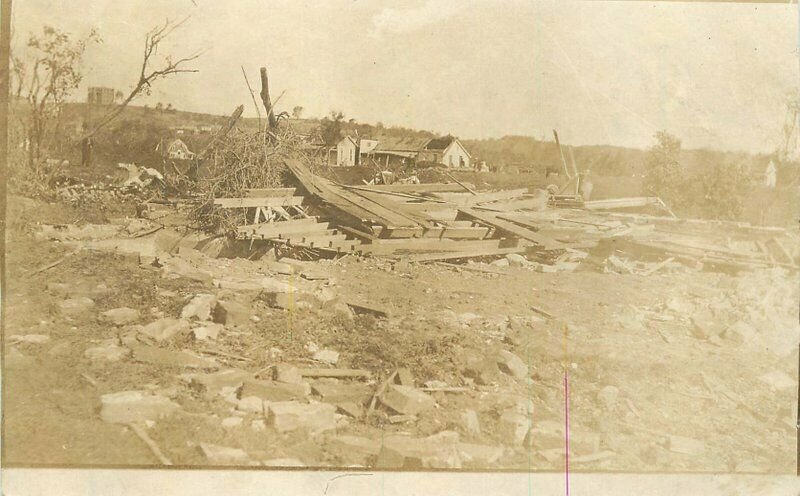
(644, 392)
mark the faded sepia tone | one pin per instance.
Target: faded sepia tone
(462, 235)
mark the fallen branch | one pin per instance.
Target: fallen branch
(53, 264)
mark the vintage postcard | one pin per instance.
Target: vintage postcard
(400, 246)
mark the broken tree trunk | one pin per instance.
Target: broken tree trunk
(271, 119)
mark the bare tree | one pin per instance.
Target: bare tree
(43, 80)
(149, 75)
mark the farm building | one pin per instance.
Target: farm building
(177, 150)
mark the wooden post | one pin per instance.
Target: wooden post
(273, 122)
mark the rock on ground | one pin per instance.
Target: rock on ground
(135, 406)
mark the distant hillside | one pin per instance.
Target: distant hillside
(509, 153)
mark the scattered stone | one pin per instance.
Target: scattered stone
(176, 267)
(232, 313)
(273, 391)
(288, 374)
(483, 370)
(223, 455)
(213, 384)
(608, 397)
(29, 338)
(406, 399)
(75, 307)
(470, 422)
(513, 428)
(258, 425)
(232, 422)
(272, 285)
(479, 455)
(107, 353)
(164, 329)
(404, 377)
(516, 260)
(503, 262)
(135, 406)
(287, 416)
(121, 316)
(327, 356)
(351, 408)
(436, 451)
(251, 404)
(200, 307)
(207, 332)
(512, 364)
(402, 419)
(547, 435)
(169, 358)
(353, 449)
(339, 392)
(238, 284)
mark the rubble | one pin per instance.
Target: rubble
(406, 399)
(76, 307)
(107, 353)
(164, 329)
(135, 406)
(223, 455)
(292, 415)
(437, 451)
(121, 316)
(200, 307)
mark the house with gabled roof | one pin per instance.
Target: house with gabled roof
(446, 150)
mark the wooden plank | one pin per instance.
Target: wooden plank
(322, 240)
(293, 222)
(510, 228)
(402, 232)
(362, 235)
(423, 245)
(334, 373)
(419, 188)
(258, 202)
(269, 192)
(637, 201)
(465, 232)
(282, 229)
(355, 205)
(480, 198)
(431, 257)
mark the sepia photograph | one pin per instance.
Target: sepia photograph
(431, 237)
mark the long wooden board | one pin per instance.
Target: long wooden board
(269, 192)
(351, 203)
(430, 257)
(419, 188)
(281, 229)
(509, 228)
(286, 201)
(424, 245)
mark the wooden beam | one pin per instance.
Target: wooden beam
(282, 229)
(293, 222)
(419, 188)
(509, 228)
(638, 201)
(431, 257)
(287, 201)
(269, 192)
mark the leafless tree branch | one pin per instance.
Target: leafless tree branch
(147, 75)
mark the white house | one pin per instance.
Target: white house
(177, 150)
(447, 150)
(346, 152)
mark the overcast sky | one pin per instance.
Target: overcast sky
(717, 75)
